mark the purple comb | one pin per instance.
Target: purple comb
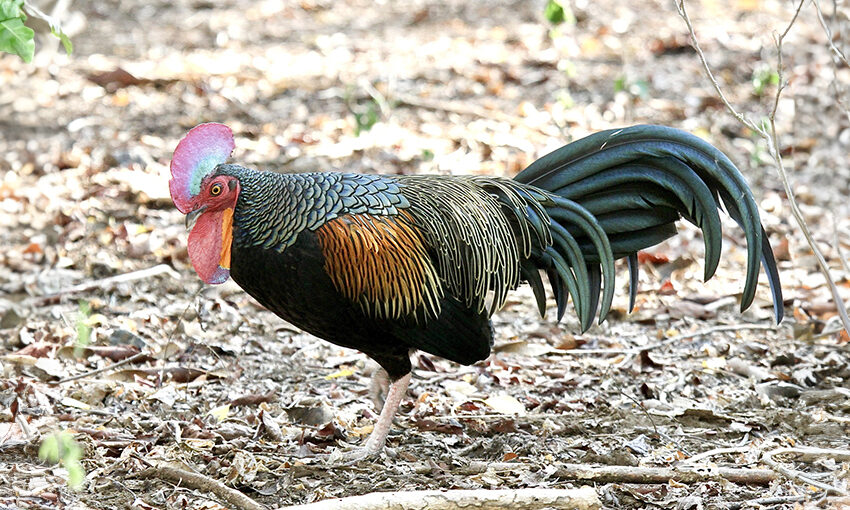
(203, 148)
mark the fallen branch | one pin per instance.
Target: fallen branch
(197, 481)
(584, 498)
(627, 474)
(689, 474)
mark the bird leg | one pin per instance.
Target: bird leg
(378, 437)
(397, 391)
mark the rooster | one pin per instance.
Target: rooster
(390, 264)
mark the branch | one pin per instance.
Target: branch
(690, 474)
(197, 481)
(770, 136)
(584, 498)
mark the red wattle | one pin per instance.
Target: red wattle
(209, 245)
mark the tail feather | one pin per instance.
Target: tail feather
(634, 273)
(695, 198)
(569, 211)
(567, 244)
(620, 191)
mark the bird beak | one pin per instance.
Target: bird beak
(193, 216)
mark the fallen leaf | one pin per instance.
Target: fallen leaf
(253, 399)
(652, 258)
(505, 404)
(439, 426)
(167, 395)
(220, 413)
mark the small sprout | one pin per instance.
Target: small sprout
(763, 76)
(638, 88)
(565, 99)
(556, 12)
(83, 328)
(63, 449)
(366, 119)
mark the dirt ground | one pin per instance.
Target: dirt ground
(93, 250)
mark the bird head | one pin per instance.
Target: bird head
(206, 198)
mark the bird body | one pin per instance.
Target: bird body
(389, 264)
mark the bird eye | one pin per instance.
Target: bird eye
(215, 189)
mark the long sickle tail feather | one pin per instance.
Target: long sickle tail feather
(620, 191)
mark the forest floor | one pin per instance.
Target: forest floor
(94, 267)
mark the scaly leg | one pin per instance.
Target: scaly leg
(398, 389)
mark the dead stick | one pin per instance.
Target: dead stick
(584, 498)
(202, 483)
(690, 474)
(635, 474)
(127, 361)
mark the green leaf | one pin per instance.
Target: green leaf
(11, 9)
(55, 29)
(49, 449)
(66, 42)
(14, 36)
(61, 447)
(76, 474)
(554, 12)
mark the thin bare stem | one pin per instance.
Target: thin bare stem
(832, 47)
(769, 134)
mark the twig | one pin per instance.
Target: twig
(127, 361)
(793, 474)
(770, 136)
(837, 52)
(716, 451)
(760, 502)
(141, 274)
(584, 498)
(197, 481)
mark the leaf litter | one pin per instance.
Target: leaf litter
(225, 388)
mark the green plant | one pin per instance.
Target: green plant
(61, 448)
(365, 117)
(17, 38)
(557, 12)
(637, 88)
(83, 327)
(764, 75)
